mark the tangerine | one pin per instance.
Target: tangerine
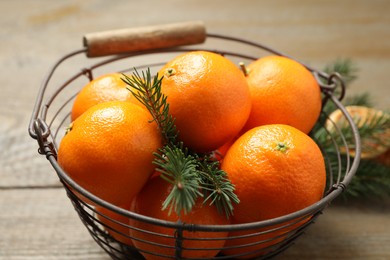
(115, 224)
(220, 153)
(108, 150)
(277, 170)
(158, 242)
(283, 92)
(208, 96)
(107, 87)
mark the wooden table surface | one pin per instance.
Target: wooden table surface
(37, 220)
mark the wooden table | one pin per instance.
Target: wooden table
(37, 221)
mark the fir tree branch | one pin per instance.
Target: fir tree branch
(371, 178)
(216, 186)
(370, 131)
(148, 92)
(190, 175)
(179, 168)
(348, 71)
(361, 99)
(345, 67)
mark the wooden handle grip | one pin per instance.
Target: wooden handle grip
(144, 38)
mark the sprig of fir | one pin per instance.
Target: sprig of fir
(147, 90)
(178, 167)
(372, 177)
(348, 72)
(371, 180)
(216, 187)
(345, 67)
(191, 175)
(359, 99)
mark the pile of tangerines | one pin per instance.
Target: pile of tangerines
(257, 119)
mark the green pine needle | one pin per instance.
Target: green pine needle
(179, 168)
(371, 178)
(361, 99)
(191, 175)
(370, 130)
(216, 187)
(147, 90)
(348, 72)
(345, 67)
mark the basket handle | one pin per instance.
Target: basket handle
(144, 38)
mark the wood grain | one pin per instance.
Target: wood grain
(144, 38)
(41, 224)
(37, 221)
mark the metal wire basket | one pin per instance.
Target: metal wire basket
(124, 51)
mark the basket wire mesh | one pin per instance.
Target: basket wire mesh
(51, 116)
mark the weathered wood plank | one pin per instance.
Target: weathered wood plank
(20, 163)
(41, 223)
